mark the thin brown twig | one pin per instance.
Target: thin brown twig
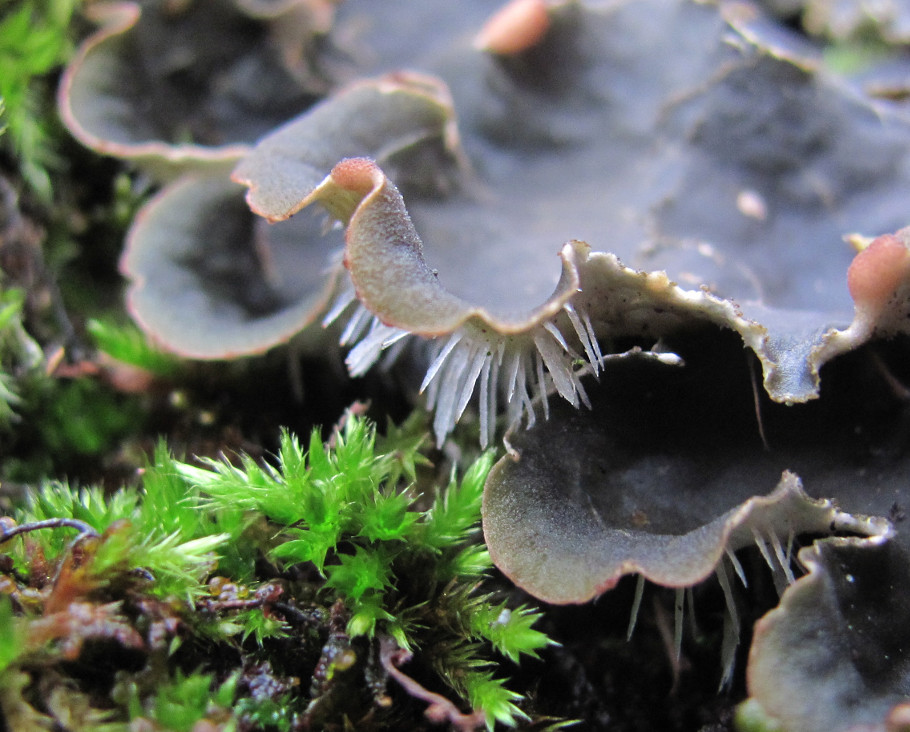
(440, 709)
(56, 523)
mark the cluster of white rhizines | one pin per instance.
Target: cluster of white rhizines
(509, 371)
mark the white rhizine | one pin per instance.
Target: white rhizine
(684, 601)
(364, 329)
(507, 369)
(737, 567)
(342, 302)
(370, 348)
(778, 559)
(516, 368)
(731, 625)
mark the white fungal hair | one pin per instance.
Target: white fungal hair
(509, 372)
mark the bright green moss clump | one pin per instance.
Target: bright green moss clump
(255, 595)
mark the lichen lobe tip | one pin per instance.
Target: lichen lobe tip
(877, 271)
(516, 27)
(355, 174)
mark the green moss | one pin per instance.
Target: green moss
(129, 345)
(396, 568)
(11, 640)
(186, 700)
(34, 40)
(313, 563)
(19, 354)
(750, 717)
(63, 422)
